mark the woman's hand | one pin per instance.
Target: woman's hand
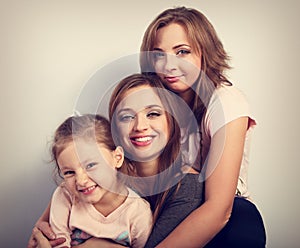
(42, 235)
(41, 240)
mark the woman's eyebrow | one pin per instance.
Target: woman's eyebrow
(124, 110)
(175, 47)
(153, 106)
(145, 107)
(181, 45)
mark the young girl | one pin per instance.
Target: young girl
(92, 201)
(181, 46)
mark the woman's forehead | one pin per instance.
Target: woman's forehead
(140, 97)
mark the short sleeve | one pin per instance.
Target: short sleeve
(59, 214)
(227, 104)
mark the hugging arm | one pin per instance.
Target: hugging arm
(224, 163)
(43, 236)
(43, 225)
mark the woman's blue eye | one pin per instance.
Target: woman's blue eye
(183, 52)
(126, 118)
(90, 165)
(153, 114)
(158, 55)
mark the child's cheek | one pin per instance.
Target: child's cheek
(104, 176)
(71, 186)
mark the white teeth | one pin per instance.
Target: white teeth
(143, 139)
(88, 189)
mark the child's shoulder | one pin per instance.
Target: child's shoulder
(62, 192)
(136, 201)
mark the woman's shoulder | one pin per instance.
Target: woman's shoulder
(228, 98)
(230, 93)
(227, 103)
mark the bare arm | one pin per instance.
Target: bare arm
(43, 225)
(224, 163)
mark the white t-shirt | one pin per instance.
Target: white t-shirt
(226, 104)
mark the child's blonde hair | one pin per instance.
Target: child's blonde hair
(88, 127)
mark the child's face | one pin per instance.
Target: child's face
(82, 163)
(176, 61)
(142, 124)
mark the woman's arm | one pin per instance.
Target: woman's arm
(41, 240)
(43, 225)
(224, 163)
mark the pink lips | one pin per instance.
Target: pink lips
(141, 140)
(89, 190)
(172, 79)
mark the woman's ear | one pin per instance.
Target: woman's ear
(119, 156)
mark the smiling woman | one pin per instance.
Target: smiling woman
(142, 124)
(191, 61)
(146, 120)
(176, 50)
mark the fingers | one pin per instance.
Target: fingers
(42, 241)
(56, 242)
(31, 243)
(39, 240)
(45, 228)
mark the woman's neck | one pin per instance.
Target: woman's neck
(188, 96)
(146, 169)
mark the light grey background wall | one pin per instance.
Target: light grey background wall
(49, 49)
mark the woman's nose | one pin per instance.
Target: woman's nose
(171, 62)
(140, 123)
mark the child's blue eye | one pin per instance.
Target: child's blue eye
(90, 165)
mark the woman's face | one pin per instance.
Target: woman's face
(143, 128)
(176, 61)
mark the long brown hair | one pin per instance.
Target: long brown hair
(204, 40)
(169, 158)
